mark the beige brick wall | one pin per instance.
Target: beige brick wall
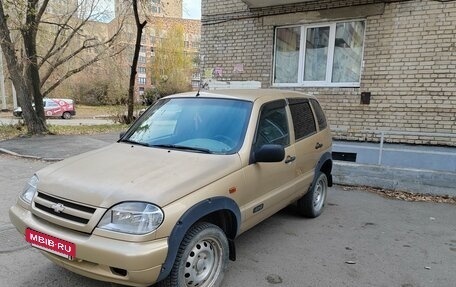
(409, 65)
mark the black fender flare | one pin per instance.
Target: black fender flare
(190, 217)
(323, 159)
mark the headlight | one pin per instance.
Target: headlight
(30, 190)
(132, 218)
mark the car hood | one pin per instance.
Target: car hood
(124, 172)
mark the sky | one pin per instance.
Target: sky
(192, 9)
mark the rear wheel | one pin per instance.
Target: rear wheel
(66, 115)
(201, 260)
(312, 203)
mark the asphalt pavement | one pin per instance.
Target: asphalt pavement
(360, 240)
(52, 147)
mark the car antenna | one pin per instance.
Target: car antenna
(201, 85)
(199, 89)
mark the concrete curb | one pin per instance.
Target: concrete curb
(12, 153)
(393, 178)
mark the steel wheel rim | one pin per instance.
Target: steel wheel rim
(203, 264)
(319, 194)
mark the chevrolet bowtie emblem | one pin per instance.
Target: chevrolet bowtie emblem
(58, 207)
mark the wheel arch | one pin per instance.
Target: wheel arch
(324, 165)
(221, 211)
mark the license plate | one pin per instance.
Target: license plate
(50, 243)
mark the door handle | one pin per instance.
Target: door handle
(318, 145)
(290, 159)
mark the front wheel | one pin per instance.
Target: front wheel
(312, 203)
(201, 260)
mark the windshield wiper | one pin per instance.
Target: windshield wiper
(135, 142)
(181, 147)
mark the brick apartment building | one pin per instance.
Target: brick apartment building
(161, 16)
(374, 65)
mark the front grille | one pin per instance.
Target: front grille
(64, 209)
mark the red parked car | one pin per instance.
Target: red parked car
(63, 108)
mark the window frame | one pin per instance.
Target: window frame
(330, 60)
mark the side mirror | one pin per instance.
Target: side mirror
(121, 135)
(269, 153)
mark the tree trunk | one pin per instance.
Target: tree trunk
(35, 125)
(32, 72)
(131, 88)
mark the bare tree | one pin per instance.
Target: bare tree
(52, 43)
(24, 73)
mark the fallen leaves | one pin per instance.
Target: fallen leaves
(404, 195)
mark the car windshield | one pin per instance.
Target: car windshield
(205, 125)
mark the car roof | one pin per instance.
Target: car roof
(243, 94)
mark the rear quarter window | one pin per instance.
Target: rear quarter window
(321, 119)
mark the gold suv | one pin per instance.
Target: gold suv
(166, 202)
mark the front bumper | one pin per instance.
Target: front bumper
(97, 257)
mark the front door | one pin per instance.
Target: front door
(269, 186)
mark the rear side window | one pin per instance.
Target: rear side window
(321, 119)
(303, 118)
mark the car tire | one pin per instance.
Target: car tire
(201, 259)
(66, 116)
(311, 205)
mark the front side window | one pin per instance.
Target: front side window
(319, 55)
(272, 125)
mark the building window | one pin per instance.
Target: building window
(142, 80)
(319, 55)
(141, 59)
(142, 49)
(152, 36)
(141, 70)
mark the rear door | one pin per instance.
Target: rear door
(307, 143)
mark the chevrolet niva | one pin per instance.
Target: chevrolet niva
(166, 202)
